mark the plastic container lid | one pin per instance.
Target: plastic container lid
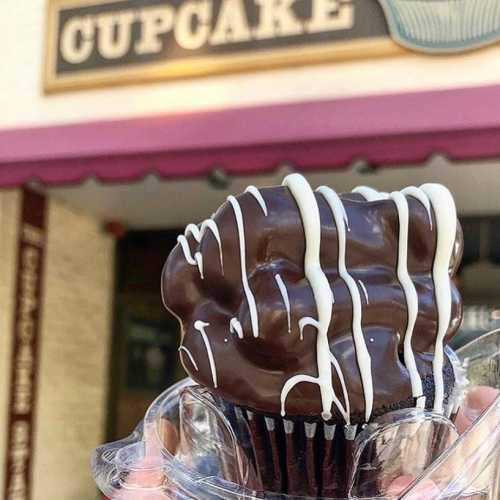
(186, 448)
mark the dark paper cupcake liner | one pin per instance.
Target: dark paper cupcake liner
(307, 458)
(296, 457)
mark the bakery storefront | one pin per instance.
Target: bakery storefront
(140, 117)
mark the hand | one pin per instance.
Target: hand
(148, 473)
(427, 489)
(476, 401)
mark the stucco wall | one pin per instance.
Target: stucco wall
(76, 329)
(23, 103)
(74, 346)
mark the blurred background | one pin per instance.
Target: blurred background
(122, 121)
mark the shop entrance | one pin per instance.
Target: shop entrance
(144, 357)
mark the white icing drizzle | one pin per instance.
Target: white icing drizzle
(258, 196)
(186, 250)
(200, 326)
(365, 291)
(370, 194)
(410, 294)
(417, 193)
(235, 327)
(244, 279)
(446, 225)
(182, 350)
(441, 200)
(312, 322)
(286, 300)
(362, 355)
(406, 282)
(309, 212)
(198, 234)
(336, 365)
(306, 321)
(199, 261)
(194, 231)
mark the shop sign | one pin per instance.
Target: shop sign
(95, 42)
(25, 341)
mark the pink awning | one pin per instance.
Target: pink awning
(463, 124)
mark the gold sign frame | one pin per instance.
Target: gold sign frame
(202, 66)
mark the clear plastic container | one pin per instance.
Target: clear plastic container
(186, 448)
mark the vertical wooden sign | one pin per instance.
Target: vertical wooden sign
(24, 359)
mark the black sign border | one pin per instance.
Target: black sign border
(368, 48)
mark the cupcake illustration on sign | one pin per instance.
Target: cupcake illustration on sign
(443, 25)
(309, 313)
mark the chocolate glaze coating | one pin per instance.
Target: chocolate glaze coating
(251, 371)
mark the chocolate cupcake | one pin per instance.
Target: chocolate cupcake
(308, 314)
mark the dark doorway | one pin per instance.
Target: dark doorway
(145, 338)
